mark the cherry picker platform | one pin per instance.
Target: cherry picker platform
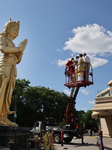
(71, 77)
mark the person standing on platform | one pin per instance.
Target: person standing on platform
(86, 65)
(71, 69)
(75, 74)
(80, 68)
(76, 67)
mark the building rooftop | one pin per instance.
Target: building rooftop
(109, 83)
(104, 91)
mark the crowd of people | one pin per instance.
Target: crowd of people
(77, 69)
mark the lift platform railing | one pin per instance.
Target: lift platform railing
(72, 72)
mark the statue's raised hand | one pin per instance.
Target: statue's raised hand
(22, 45)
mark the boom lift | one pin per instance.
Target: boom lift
(71, 81)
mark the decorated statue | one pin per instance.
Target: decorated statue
(10, 56)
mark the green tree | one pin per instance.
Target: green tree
(90, 122)
(80, 115)
(37, 103)
(18, 97)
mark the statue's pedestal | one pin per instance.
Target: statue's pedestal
(18, 134)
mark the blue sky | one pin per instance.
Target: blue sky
(58, 30)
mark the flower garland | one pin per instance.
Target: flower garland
(13, 140)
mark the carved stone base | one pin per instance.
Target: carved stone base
(13, 146)
(20, 133)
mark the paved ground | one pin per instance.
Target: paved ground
(90, 144)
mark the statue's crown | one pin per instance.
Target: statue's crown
(12, 23)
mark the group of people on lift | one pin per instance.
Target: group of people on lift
(77, 69)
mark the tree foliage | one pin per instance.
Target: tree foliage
(36, 103)
(85, 117)
(80, 115)
(89, 121)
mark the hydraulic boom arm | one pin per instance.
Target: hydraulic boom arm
(70, 107)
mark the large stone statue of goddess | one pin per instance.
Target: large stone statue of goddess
(10, 56)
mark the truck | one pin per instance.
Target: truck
(69, 130)
(49, 124)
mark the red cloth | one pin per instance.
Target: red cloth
(70, 66)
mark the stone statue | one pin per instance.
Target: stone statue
(10, 56)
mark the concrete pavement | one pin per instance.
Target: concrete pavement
(90, 144)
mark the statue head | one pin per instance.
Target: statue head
(9, 25)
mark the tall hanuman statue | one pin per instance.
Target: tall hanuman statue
(10, 56)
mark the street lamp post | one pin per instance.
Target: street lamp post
(15, 115)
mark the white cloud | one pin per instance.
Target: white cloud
(91, 102)
(97, 61)
(59, 50)
(67, 92)
(92, 39)
(84, 109)
(62, 62)
(54, 62)
(84, 91)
